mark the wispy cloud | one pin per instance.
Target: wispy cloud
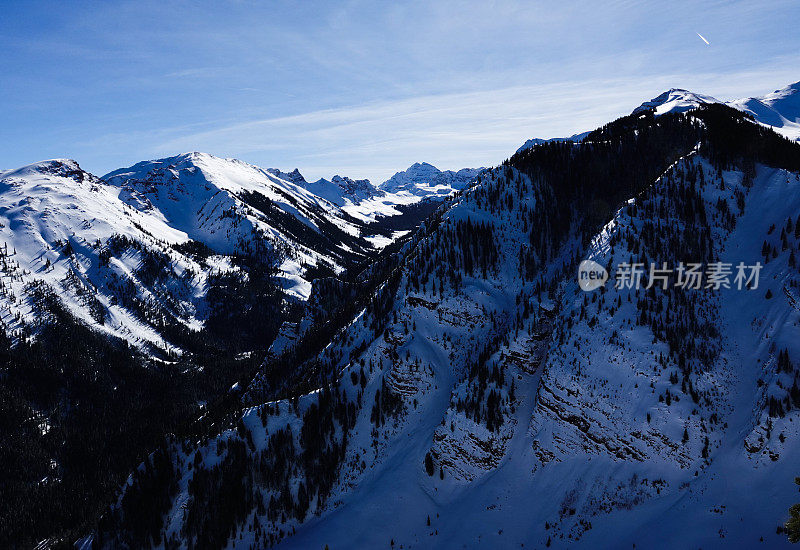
(362, 87)
(449, 130)
(195, 72)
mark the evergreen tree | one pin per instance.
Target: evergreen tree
(792, 525)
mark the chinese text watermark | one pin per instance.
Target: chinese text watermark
(694, 276)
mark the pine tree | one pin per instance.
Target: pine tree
(429, 464)
(792, 525)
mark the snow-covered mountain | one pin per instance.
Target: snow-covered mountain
(360, 198)
(400, 202)
(780, 110)
(229, 205)
(403, 200)
(339, 190)
(117, 249)
(67, 229)
(426, 181)
(675, 100)
(464, 392)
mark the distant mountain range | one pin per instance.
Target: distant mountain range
(230, 207)
(426, 181)
(338, 190)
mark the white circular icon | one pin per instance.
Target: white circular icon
(591, 275)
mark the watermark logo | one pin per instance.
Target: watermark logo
(591, 275)
(694, 276)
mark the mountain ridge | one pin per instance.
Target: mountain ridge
(425, 180)
(779, 110)
(475, 376)
(436, 385)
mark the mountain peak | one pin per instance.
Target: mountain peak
(58, 167)
(675, 100)
(192, 157)
(341, 189)
(294, 176)
(424, 179)
(422, 167)
(779, 109)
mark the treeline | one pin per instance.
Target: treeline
(81, 409)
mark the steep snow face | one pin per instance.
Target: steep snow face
(779, 109)
(425, 180)
(674, 100)
(687, 448)
(55, 221)
(117, 252)
(231, 206)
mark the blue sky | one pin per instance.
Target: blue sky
(361, 88)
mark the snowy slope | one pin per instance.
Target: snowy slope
(780, 110)
(56, 220)
(702, 450)
(425, 180)
(674, 100)
(480, 399)
(231, 206)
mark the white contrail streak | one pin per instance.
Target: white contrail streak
(703, 38)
